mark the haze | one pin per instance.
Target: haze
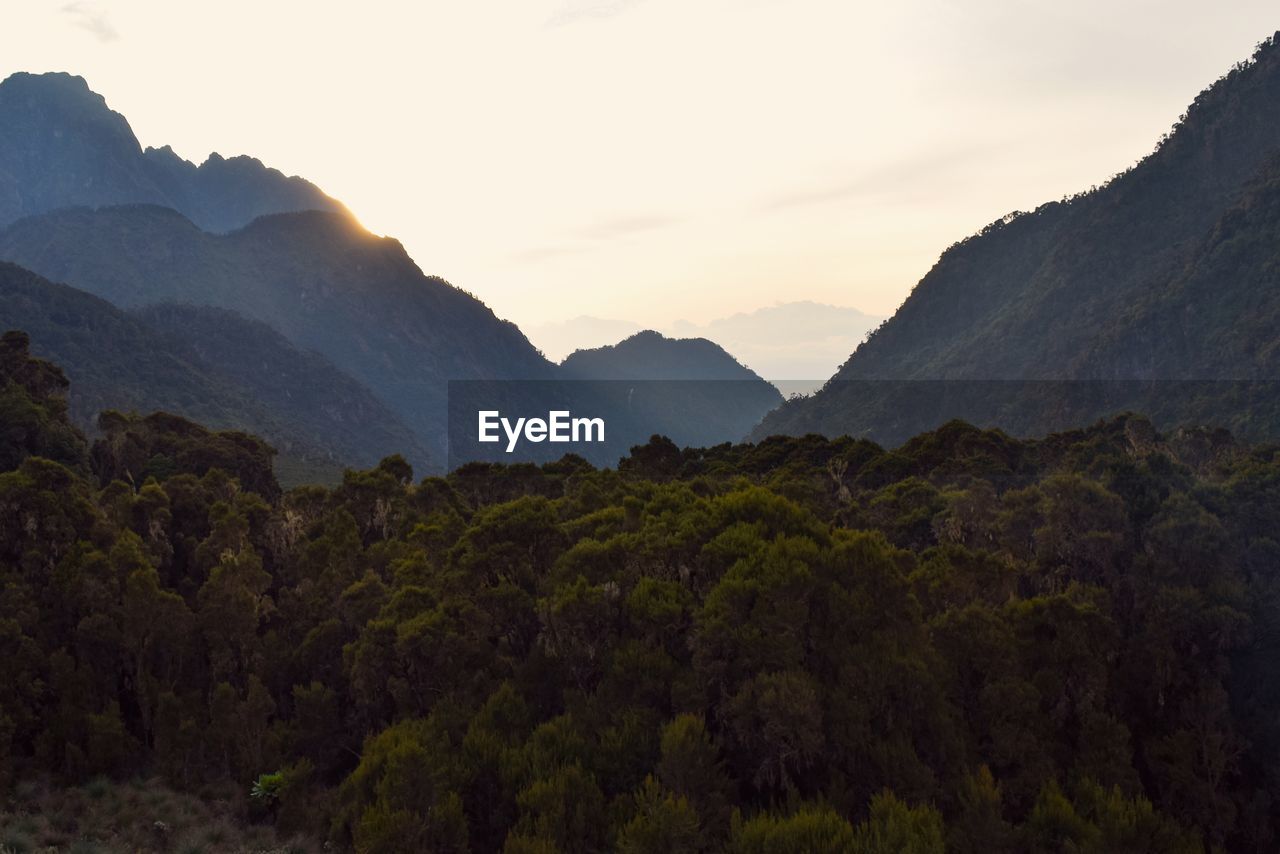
(657, 160)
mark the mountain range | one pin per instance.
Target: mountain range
(269, 307)
(318, 278)
(232, 294)
(794, 345)
(61, 146)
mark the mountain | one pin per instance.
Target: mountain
(1154, 292)
(318, 278)
(62, 146)
(333, 327)
(204, 364)
(794, 345)
(303, 388)
(650, 355)
(687, 389)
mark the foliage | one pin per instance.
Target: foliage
(972, 641)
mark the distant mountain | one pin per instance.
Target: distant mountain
(800, 343)
(795, 345)
(688, 389)
(62, 146)
(204, 364)
(318, 278)
(1101, 302)
(650, 355)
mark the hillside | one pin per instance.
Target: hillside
(62, 146)
(321, 280)
(204, 364)
(1163, 274)
(303, 388)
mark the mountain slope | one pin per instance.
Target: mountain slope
(203, 364)
(1127, 282)
(1219, 315)
(114, 361)
(62, 146)
(302, 388)
(318, 278)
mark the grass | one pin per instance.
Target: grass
(105, 817)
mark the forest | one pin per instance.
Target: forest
(969, 643)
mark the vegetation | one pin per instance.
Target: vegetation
(969, 643)
(207, 364)
(138, 816)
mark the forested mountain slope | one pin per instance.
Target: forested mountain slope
(1165, 273)
(318, 278)
(206, 364)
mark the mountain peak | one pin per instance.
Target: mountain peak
(650, 355)
(49, 82)
(62, 146)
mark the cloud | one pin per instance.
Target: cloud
(587, 238)
(893, 179)
(541, 253)
(576, 11)
(624, 226)
(87, 16)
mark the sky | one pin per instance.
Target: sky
(657, 160)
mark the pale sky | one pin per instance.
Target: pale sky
(656, 160)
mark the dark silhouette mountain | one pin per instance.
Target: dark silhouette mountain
(62, 146)
(318, 278)
(1166, 274)
(649, 355)
(205, 364)
(688, 389)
